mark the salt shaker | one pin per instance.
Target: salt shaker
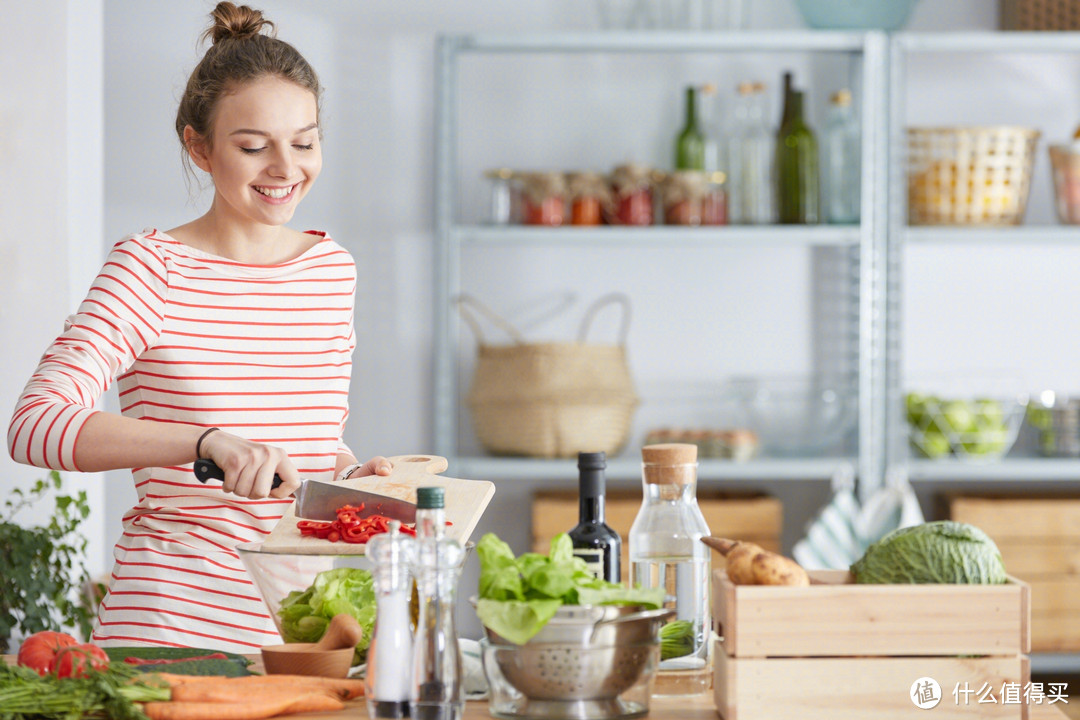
(389, 666)
(436, 692)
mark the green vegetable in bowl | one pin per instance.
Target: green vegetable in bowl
(305, 615)
(519, 595)
(937, 552)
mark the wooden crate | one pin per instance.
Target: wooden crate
(757, 518)
(1039, 539)
(838, 650)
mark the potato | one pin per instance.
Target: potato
(768, 568)
(739, 562)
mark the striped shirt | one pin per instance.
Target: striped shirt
(263, 352)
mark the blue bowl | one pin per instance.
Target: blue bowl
(856, 14)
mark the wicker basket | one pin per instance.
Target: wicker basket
(551, 399)
(1039, 15)
(969, 175)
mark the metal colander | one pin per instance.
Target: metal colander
(579, 664)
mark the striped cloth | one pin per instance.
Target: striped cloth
(842, 530)
(263, 352)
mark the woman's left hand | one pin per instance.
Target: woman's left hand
(377, 465)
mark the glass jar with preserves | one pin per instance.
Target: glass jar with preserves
(632, 201)
(589, 194)
(544, 198)
(691, 197)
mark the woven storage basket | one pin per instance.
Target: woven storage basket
(550, 399)
(1040, 15)
(969, 175)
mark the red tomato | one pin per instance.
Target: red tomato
(75, 660)
(39, 650)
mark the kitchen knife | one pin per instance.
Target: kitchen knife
(318, 500)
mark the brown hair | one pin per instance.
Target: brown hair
(241, 53)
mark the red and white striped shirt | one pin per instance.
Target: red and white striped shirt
(263, 352)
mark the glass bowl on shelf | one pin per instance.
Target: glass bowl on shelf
(798, 415)
(969, 417)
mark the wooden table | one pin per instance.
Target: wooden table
(698, 707)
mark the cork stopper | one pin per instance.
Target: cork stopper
(669, 463)
(841, 98)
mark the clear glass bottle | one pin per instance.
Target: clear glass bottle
(436, 692)
(593, 540)
(389, 664)
(752, 147)
(666, 551)
(841, 169)
(708, 110)
(797, 181)
(501, 206)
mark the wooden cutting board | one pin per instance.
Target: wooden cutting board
(466, 501)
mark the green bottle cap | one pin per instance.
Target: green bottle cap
(430, 498)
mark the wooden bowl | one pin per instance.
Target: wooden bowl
(306, 659)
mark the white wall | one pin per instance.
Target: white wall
(51, 193)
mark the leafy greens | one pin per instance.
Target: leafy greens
(306, 614)
(519, 595)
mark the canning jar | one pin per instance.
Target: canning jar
(632, 199)
(544, 198)
(692, 197)
(589, 194)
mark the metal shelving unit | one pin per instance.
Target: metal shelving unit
(864, 244)
(1010, 470)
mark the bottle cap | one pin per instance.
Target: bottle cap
(592, 461)
(841, 97)
(430, 498)
(669, 463)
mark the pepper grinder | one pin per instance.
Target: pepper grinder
(389, 664)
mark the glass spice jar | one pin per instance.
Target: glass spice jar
(632, 201)
(501, 200)
(589, 194)
(544, 198)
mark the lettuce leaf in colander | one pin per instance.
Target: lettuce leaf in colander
(944, 552)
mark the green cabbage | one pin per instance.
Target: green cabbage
(306, 614)
(938, 552)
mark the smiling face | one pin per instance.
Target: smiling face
(264, 154)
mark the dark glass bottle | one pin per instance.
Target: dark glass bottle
(798, 196)
(690, 144)
(595, 542)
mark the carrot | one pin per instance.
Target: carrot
(172, 679)
(345, 688)
(226, 693)
(247, 709)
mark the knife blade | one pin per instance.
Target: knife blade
(319, 500)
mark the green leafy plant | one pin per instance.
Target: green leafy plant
(43, 568)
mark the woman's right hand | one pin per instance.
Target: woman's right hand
(250, 467)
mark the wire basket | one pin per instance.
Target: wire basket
(969, 175)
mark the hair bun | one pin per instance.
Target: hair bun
(234, 22)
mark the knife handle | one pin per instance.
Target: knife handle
(209, 470)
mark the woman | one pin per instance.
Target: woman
(230, 338)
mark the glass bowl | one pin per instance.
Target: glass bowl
(970, 428)
(797, 415)
(856, 14)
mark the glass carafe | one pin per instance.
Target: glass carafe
(666, 551)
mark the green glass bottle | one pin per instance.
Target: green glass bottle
(690, 144)
(797, 193)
